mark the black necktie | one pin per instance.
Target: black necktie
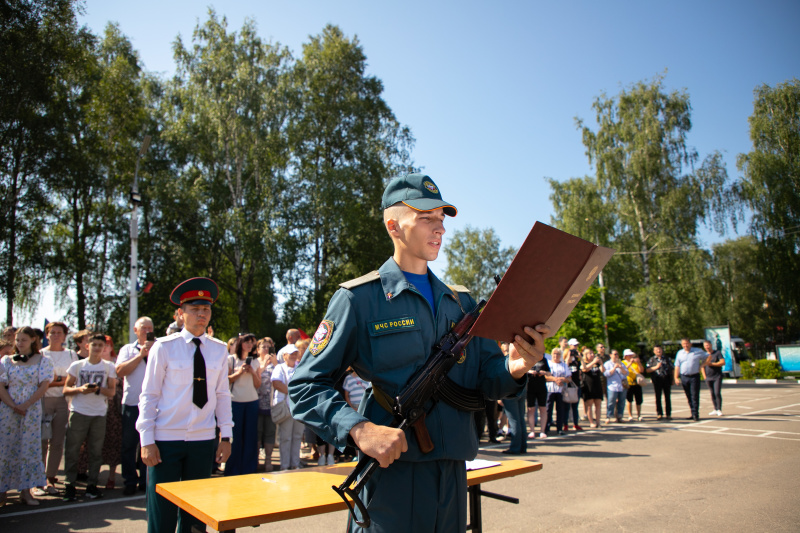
(199, 390)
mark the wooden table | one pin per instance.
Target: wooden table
(226, 503)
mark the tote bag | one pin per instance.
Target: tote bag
(280, 411)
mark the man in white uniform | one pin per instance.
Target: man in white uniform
(185, 388)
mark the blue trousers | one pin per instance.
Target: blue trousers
(715, 386)
(573, 408)
(134, 472)
(691, 386)
(615, 406)
(429, 496)
(515, 410)
(180, 461)
(244, 444)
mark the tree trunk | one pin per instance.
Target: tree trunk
(12, 249)
(645, 257)
(80, 300)
(77, 262)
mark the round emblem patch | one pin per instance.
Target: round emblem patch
(200, 293)
(463, 357)
(431, 187)
(321, 337)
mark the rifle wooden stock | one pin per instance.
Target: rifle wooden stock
(423, 437)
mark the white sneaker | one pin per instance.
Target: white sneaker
(542, 435)
(719, 413)
(331, 460)
(321, 461)
(712, 413)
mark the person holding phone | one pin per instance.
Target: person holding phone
(131, 363)
(245, 379)
(90, 382)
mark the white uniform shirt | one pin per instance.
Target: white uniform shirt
(133, 381)
(166, 410)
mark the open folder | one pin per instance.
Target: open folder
(546, 280)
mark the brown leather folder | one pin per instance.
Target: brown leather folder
(546, 280)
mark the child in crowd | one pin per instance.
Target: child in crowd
(90, 382)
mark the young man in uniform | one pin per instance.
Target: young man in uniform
(384, 325)
(185, 387)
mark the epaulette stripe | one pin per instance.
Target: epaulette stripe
(366, 278)
(458, 288)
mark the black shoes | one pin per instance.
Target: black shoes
(93, 492)
(129, 490)
(69, 493)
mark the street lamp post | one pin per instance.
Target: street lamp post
(136, 199)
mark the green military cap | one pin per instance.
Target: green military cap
(195, 291)
(417, 191)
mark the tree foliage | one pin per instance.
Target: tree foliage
(770, 187)
(35, 51)
(264, 172)
(651, 198)
(585, 323)
(226, 125)
(474, 257)
(346, 143)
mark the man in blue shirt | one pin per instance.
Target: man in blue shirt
(384, 325)
(688, 362)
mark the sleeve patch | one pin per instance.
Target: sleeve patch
(321, 337)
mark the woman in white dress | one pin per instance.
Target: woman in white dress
(24, 378)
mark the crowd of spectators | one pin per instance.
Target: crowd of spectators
(75, 408)
(79, 405)
(598, 376)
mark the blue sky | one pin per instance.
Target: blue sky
(491, 90)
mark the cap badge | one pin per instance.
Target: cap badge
(431, 187)
(201, 293)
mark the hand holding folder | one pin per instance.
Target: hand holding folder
(546, 280)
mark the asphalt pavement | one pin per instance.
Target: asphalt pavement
(738, 472)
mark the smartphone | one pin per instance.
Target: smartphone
(248, 360)
(91, 385)
(151, 336)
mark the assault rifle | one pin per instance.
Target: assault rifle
(426, 385)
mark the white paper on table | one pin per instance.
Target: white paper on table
(478, 464)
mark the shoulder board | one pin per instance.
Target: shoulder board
(214, 339)
(366, 278)
(458, 288)
(168, 338)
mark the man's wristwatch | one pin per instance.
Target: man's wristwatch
(225, 439)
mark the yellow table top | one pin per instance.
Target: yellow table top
(253, 499)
